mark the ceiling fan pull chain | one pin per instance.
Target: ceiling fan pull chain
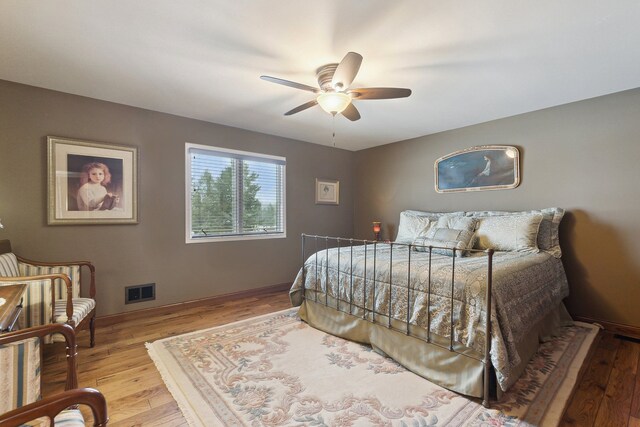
(333, 126)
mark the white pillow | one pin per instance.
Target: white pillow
(548, 235)
(509, 233)
(456, 222)
(411, 226)
(434, 215)
(445, 240)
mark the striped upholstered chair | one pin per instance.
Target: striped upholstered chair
(20, 367)
(53, 291)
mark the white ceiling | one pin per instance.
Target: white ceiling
(466, 61)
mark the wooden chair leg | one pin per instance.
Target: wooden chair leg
(92, 329)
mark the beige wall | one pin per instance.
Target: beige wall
(154, 250)
(584, 157)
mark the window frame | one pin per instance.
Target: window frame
(237, 237)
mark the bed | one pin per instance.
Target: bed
(419, 301)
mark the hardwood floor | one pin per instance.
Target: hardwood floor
(608, 394)
(121, 369)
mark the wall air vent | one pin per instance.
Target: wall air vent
(139, 293)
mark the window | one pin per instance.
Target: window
(234, 195)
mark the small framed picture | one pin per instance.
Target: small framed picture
(327, 192)
(91, 182)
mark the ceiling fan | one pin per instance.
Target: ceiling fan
(334, 94)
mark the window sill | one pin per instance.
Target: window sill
(235, 238)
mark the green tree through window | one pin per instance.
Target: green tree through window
(235, 196)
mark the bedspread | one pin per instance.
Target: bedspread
(526, 287)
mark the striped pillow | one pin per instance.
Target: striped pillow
(8, 265)
(20, 368)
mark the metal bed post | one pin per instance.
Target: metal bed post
(429, 298)
(364, 284)
(339, 272)
(326, 274)
(315, 238)
(390, 281)
(453, 281)
(408, 287)
(487, 344)
(351, 280)
(303, 235)
(373, 303)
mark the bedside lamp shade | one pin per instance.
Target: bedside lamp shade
(377, 228)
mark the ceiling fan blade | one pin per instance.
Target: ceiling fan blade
(346, 71)
(301, 107)
(351, 113)
(380, 93)
(290, 83)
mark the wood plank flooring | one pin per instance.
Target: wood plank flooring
(121, 369)
(608, 394)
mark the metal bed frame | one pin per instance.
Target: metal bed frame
(486, 360)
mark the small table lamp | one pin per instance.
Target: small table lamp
(376, 229)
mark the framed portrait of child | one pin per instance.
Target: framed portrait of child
(91, 182)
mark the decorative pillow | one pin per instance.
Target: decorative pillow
(445, 240)
(509, 233)
(548, 236)
(434, 215)
(8, 265)
(411, 226)
(457, 222)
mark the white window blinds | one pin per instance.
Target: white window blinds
(234, 194)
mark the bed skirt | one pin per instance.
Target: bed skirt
(462, 373)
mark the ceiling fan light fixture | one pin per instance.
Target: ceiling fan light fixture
(334, 102)
(334, 94)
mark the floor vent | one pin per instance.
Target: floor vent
(139, 293)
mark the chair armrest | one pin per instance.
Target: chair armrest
(88, 264)
(53, 405)
(52, 277)
(40, 331)
(53, 264)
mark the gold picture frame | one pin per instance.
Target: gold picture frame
(327, 192)
(91, 182)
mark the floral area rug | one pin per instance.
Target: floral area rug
(275, 370)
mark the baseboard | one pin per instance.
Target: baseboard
(113, 319)
(616, 328)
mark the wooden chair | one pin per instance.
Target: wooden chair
(20, 361)
(53, 291)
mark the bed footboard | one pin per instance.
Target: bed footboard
(345, 258)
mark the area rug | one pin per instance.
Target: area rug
(275, 370)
